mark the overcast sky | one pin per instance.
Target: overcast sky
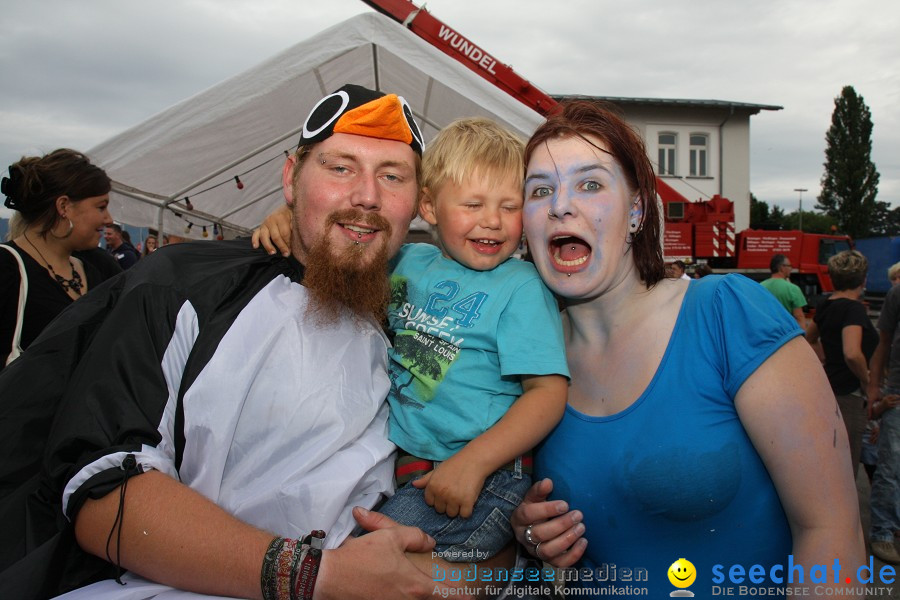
(76, 73)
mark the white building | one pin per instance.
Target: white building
(699, 147)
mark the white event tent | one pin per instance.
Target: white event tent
(243, 126)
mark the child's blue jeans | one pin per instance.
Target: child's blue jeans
(473, 539)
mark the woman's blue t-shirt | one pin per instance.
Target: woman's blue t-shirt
(674, 475)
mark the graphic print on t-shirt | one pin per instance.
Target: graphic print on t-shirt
(431, 338)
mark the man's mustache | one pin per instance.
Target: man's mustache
(358, 217)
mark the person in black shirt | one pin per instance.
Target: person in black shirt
(61, 199)
(119, 247)
(848, 340)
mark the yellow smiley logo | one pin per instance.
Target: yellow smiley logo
(682, 573)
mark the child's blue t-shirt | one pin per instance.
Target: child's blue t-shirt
(675, 475)
(463, 338)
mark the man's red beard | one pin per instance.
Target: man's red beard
(355, 277)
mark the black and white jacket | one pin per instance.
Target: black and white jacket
(199, 362)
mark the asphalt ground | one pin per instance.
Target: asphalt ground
(877, 590)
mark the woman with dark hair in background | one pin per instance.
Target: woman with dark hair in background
(61, 200)
(848, 340)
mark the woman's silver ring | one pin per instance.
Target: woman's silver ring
(530, 538)
(537, 550)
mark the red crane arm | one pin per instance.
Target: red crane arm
(451, 42)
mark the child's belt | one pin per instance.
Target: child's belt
(410, 467)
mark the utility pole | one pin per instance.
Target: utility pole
(801, 190)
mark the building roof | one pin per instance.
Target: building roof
(754, 108)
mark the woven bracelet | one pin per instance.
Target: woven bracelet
(291, 566)
(278, 563)
(306, 568)
(267, 577)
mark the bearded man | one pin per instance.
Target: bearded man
(215, 396)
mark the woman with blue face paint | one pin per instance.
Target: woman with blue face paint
(699, 424)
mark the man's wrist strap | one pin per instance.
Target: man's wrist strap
(290, 567)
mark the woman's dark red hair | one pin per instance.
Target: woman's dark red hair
(583, 118)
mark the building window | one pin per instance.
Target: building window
(675, 210)
(667, 153)
(699, 144)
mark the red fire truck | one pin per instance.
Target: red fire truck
(703, 231)
(696, 232)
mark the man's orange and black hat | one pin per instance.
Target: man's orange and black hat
(361, 111)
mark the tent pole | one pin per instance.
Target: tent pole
(159, 230)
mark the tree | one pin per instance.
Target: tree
(885, 220)
(763, 218)
(776, 217)
(759, 213)
(850, 182)
(813, 222)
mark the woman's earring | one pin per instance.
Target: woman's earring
(68, 232)
(633, 227)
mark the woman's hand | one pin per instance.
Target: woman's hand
(556, 532)
(275, 232)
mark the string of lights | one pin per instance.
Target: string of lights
(178, 209)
